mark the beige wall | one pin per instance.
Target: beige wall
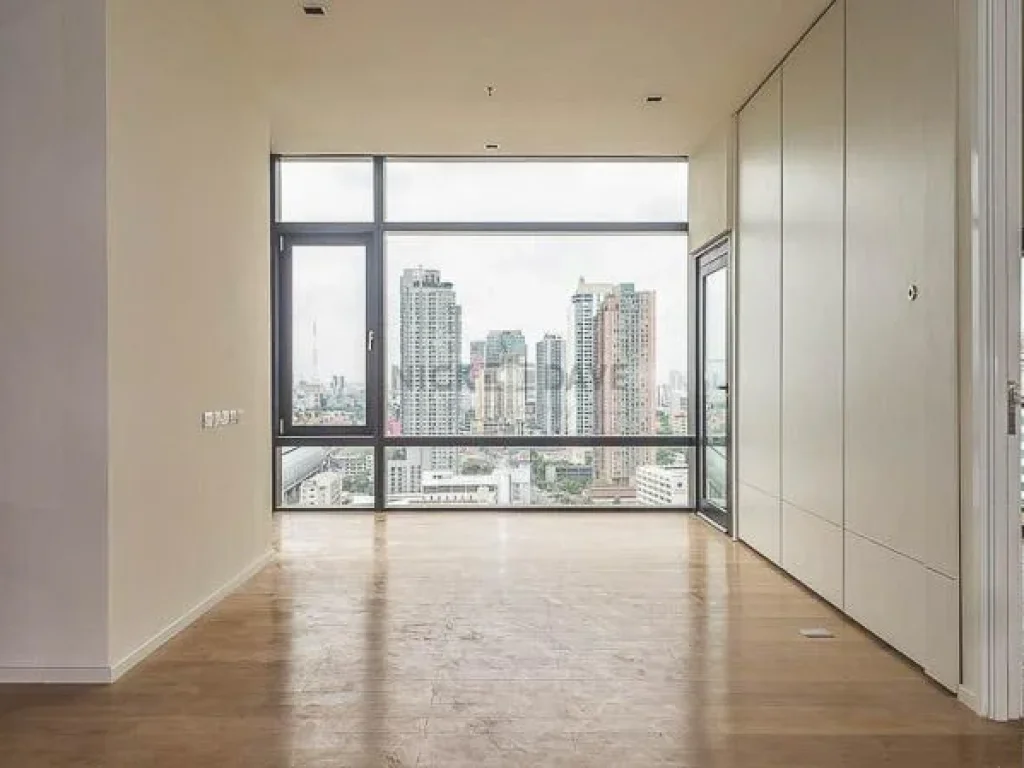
(712, 186)
(53, 341)
(188, 315)
(868, 408)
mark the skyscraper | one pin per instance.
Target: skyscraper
(581, 403)
(501, 344)
(499, 398)
(551, 400)
(477, 351)
(624, 331)
(431, 344)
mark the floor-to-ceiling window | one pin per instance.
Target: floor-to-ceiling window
(459, 333)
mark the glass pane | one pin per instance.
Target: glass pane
(716, 400)
(536, 191)
(536, 477)
(329, 335)
(313, 477)
(326, 190)
(537, 335)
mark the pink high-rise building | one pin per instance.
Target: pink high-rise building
(625, 389)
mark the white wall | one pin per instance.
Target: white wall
(53, 536)
(868, 408)
(712, 186)
(188, 313)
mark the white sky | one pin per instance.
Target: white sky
(501, 281)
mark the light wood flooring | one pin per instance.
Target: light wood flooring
(472, 640)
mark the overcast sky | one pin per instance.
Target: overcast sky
(501, 281)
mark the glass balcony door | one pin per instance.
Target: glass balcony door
(713, 402)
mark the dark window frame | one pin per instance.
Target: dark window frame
(286, 234)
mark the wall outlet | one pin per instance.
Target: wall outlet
(208, 420)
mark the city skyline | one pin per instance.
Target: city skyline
(504, 282)
(510, 333)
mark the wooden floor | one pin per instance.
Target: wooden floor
(475, 640)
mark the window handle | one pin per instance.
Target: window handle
(369, 341)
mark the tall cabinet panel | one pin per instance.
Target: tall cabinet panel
(812, 307)
(901, 473)
(759, 235)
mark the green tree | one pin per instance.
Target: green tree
(572, 487)
(539, 470)
(664, 424)
(358, 484)
(665, 457)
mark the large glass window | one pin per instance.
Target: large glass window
(318, 190)
(536, 334)
(328, 338)
(325, 477)
(507, 333)
(534, 477)
(536, 191)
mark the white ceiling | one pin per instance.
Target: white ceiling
(410, 76)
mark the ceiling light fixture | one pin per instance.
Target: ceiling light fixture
(492, 147)
(654, 99)
(315, 7)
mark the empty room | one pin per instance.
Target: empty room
(485, 383)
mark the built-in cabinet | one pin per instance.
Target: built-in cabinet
(759, 317)
(846, 349)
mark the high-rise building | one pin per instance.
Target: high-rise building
(624, 331)
(499, 401)
(677, 382)
(404, 471)
(550, 397)
(477, 353)
(499, 387)
(664, 397)
(501, 344)
(431, 345)
(582, 418)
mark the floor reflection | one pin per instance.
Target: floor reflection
(450, 640)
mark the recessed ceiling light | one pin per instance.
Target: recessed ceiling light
(492, 147)
(654, 99)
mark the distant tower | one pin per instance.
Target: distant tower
(431, 345)
(551, 385)
(582, 407)
(316, 355)
(624, 332)
(499, 391)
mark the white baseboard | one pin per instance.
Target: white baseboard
(969, 699)
(125, 665)
(106, 675)
(62, 675)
